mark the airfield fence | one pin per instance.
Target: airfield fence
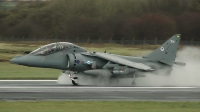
(96, 41)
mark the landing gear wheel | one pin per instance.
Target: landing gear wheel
(74, 81)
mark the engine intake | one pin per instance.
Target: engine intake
(71, 60)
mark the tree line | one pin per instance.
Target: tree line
(116, 19)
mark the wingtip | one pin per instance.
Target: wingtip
(178, 35)
(151, 69)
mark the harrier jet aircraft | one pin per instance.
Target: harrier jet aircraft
(75, 61)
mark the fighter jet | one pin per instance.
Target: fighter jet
(75, 61)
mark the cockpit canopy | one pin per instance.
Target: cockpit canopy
(51, 48)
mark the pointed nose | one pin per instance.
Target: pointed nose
(20, 60)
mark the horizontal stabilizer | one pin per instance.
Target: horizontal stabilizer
(166, 62)
(172, 63)
(180, 63)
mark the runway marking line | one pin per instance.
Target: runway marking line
(28, 80)
(73, 87)
(45, 87)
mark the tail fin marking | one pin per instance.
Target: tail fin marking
(167, 51)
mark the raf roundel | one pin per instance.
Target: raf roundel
(162, 49)
(88, 62)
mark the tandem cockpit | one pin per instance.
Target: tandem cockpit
(52, 55)
(51, 48)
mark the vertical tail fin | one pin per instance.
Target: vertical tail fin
(167, 51)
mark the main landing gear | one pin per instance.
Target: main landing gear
(72, 76)
(74, 79)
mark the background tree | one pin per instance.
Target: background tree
(115, 19)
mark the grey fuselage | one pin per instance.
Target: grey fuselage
(71, 59)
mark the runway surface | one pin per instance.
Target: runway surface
(50, 90)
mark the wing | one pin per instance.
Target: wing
(119, 60)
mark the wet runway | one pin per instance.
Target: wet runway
(50, 90)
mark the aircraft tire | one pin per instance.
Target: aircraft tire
(74, 83)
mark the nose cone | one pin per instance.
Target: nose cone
(20, 60)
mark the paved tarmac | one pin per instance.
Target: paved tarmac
(50, 90)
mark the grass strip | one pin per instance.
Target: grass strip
(98, 106)
(11, 71)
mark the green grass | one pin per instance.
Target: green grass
(9, 50)
(98, 106)
(121, 50)
(11, 71)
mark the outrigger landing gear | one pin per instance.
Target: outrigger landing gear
(134, 77)
(133, 83)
